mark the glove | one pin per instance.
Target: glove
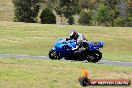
(68, 39)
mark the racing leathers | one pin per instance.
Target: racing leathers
(81, 44)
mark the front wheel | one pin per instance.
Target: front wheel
(53, 55)
(94, 56)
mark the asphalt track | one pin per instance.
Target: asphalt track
(116, 63)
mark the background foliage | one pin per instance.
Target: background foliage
(47, 17)
(26, 10)
(88, 12)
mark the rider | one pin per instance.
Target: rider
(81, 42)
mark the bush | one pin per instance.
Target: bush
(118, 21)
(129, 21)
(85, 18)
(26, 10)
(47, 17)
(71, 20)
(102, 15)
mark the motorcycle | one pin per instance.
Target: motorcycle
(64, 49)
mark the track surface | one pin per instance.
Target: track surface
(117, 63)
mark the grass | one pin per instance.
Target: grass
(5, 1)
(6, 15)
(38, 39)
(6, 10)
(28, 73)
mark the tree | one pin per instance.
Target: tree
(113, 12)
(123, 11)
(85, 18)
(50, 3)
(26, 10)
(87, 4)
(102, 15)
(129, 18)
(47, 17)
(84, 4)
(67, 8)
(71, 20)
(112, 3)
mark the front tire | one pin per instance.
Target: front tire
(53, 55)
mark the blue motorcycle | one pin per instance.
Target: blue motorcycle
(63, 49)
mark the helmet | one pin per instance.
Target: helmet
(73, 34)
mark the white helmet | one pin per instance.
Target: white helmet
(73, 34)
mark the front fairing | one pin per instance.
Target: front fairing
(62, 42)
(72, 43)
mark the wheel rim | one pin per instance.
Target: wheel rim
(94, 57)
(90, 58)
(55, 56)
(97, 56)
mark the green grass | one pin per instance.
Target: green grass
(6, 10)
(38, 39)
(6, 15)
(5, 1)
(28, 73)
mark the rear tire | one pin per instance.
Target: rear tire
(94, 56)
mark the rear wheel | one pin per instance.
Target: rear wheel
(94, 56)
(53, 55)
